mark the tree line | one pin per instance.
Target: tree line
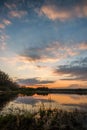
(6, 83)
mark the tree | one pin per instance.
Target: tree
(6, 83)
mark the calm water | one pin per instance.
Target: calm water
(33, 103)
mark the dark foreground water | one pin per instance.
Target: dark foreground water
(35, 102)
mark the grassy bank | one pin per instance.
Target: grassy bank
(44, 120)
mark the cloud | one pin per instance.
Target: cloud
(14, 59)
(83, 46)
(3, 36)
(42, 52)
(52, 12)
(6, 22)
(2, 46)
(45, 52)
(3, 39)
(73, 86)
(77, 70)
(52, 51)
(60, 10)
(17, 14)
(2, 26)
(81, 61)
(10, 5)
(33, 81)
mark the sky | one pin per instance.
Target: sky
(44, 42)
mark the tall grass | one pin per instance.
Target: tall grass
(44, 120)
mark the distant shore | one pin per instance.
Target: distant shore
(47, 91)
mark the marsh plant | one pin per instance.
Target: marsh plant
(44, 119)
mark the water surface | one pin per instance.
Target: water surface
(35, 102)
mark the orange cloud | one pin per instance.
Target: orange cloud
(67, 84)
(17, 14)
(54, 13)
(83, 46)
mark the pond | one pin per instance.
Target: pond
(35, 102)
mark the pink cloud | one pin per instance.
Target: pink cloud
(10, 6)
(3, 39)
(2, 26)
(6, 22)
(17, 14)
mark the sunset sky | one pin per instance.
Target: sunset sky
(44, 42)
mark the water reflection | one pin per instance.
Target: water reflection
(34, 102)
(6, 98)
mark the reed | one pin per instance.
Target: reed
(44, 120)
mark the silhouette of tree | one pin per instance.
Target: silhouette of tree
(6, 83)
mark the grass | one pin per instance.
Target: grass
(44, 120)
